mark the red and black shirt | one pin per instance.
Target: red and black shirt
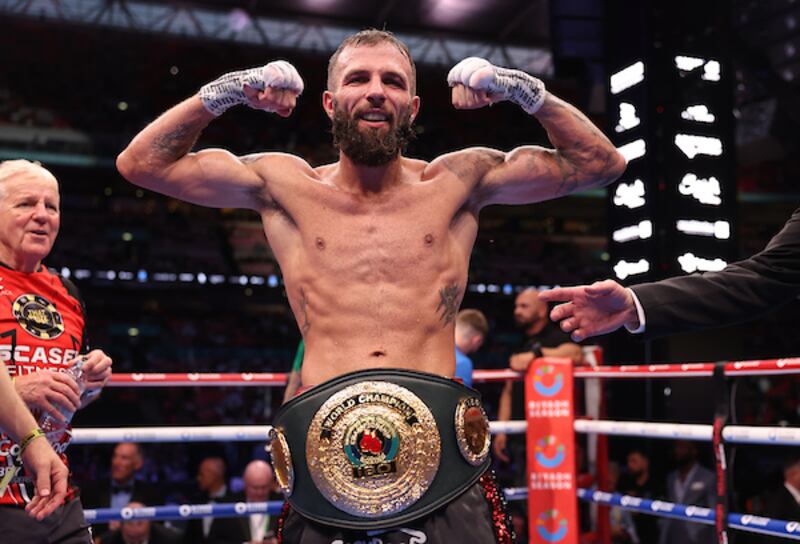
(42, 327)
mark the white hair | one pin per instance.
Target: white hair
(12, 168)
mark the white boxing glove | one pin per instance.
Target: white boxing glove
(481, 75)
(228, 90)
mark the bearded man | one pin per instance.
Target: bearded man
(374, 251)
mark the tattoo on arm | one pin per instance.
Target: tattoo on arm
(176, 143)
(306, 324)
(448, 303)
(584, 156)
(473, 164)
(568, 175)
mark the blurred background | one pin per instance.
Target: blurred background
(175, 287)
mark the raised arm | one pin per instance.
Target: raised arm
(159, 157)
(583, 157)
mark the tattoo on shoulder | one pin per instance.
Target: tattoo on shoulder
(305, 324)
(178, 142)
(448, 303)
(473, 164)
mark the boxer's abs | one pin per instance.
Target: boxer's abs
(362, 326)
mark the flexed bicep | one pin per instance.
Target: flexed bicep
(160, 158)
(526, 175)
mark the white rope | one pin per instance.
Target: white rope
(508, 427)
(741, 434)
(218, 433)
(734, 434)
(674, 431)
(784, 436)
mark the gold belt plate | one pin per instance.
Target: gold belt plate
(373, 449)
(472, 431)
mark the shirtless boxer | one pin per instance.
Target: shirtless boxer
(374, 251)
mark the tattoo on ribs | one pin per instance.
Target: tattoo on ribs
(448, 303)
(305, 325)
(178, 142)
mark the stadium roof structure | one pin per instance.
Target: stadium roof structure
(440, 32)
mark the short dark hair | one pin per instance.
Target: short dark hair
(368, 38)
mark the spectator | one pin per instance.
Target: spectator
(782, 502)
(210, 530)
(471, 330)
(542, 338)
(141, 531)
(638, 482)
(623, 530)
(691, 484)
(122, 488)
(259, 486)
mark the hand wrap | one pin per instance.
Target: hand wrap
(523, 89)
(228, 90)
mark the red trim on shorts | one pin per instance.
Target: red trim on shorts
(501, 521)
(281, 521)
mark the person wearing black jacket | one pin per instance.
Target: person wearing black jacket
(781, 502)
(210, 530)
(122, 487)
(142, 531)
(739, 292)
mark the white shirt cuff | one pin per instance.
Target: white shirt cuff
(639, 312)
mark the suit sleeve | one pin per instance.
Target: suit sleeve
(739, 292)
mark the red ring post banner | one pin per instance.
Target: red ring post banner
(552, 502)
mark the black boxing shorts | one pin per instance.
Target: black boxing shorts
(477, 516)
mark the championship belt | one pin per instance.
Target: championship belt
(364, 450)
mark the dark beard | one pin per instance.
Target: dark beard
(370, 148)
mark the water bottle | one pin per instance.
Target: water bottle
(52, 427)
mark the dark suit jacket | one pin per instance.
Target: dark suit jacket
(98, 495)
(222, 530)
(244, 521)
(158, 535)
(780, 504)
(737, 293)
(776, 503)
(700, 491)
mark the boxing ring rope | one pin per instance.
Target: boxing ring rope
(765, 367)
(731, 434)
(745, 522)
